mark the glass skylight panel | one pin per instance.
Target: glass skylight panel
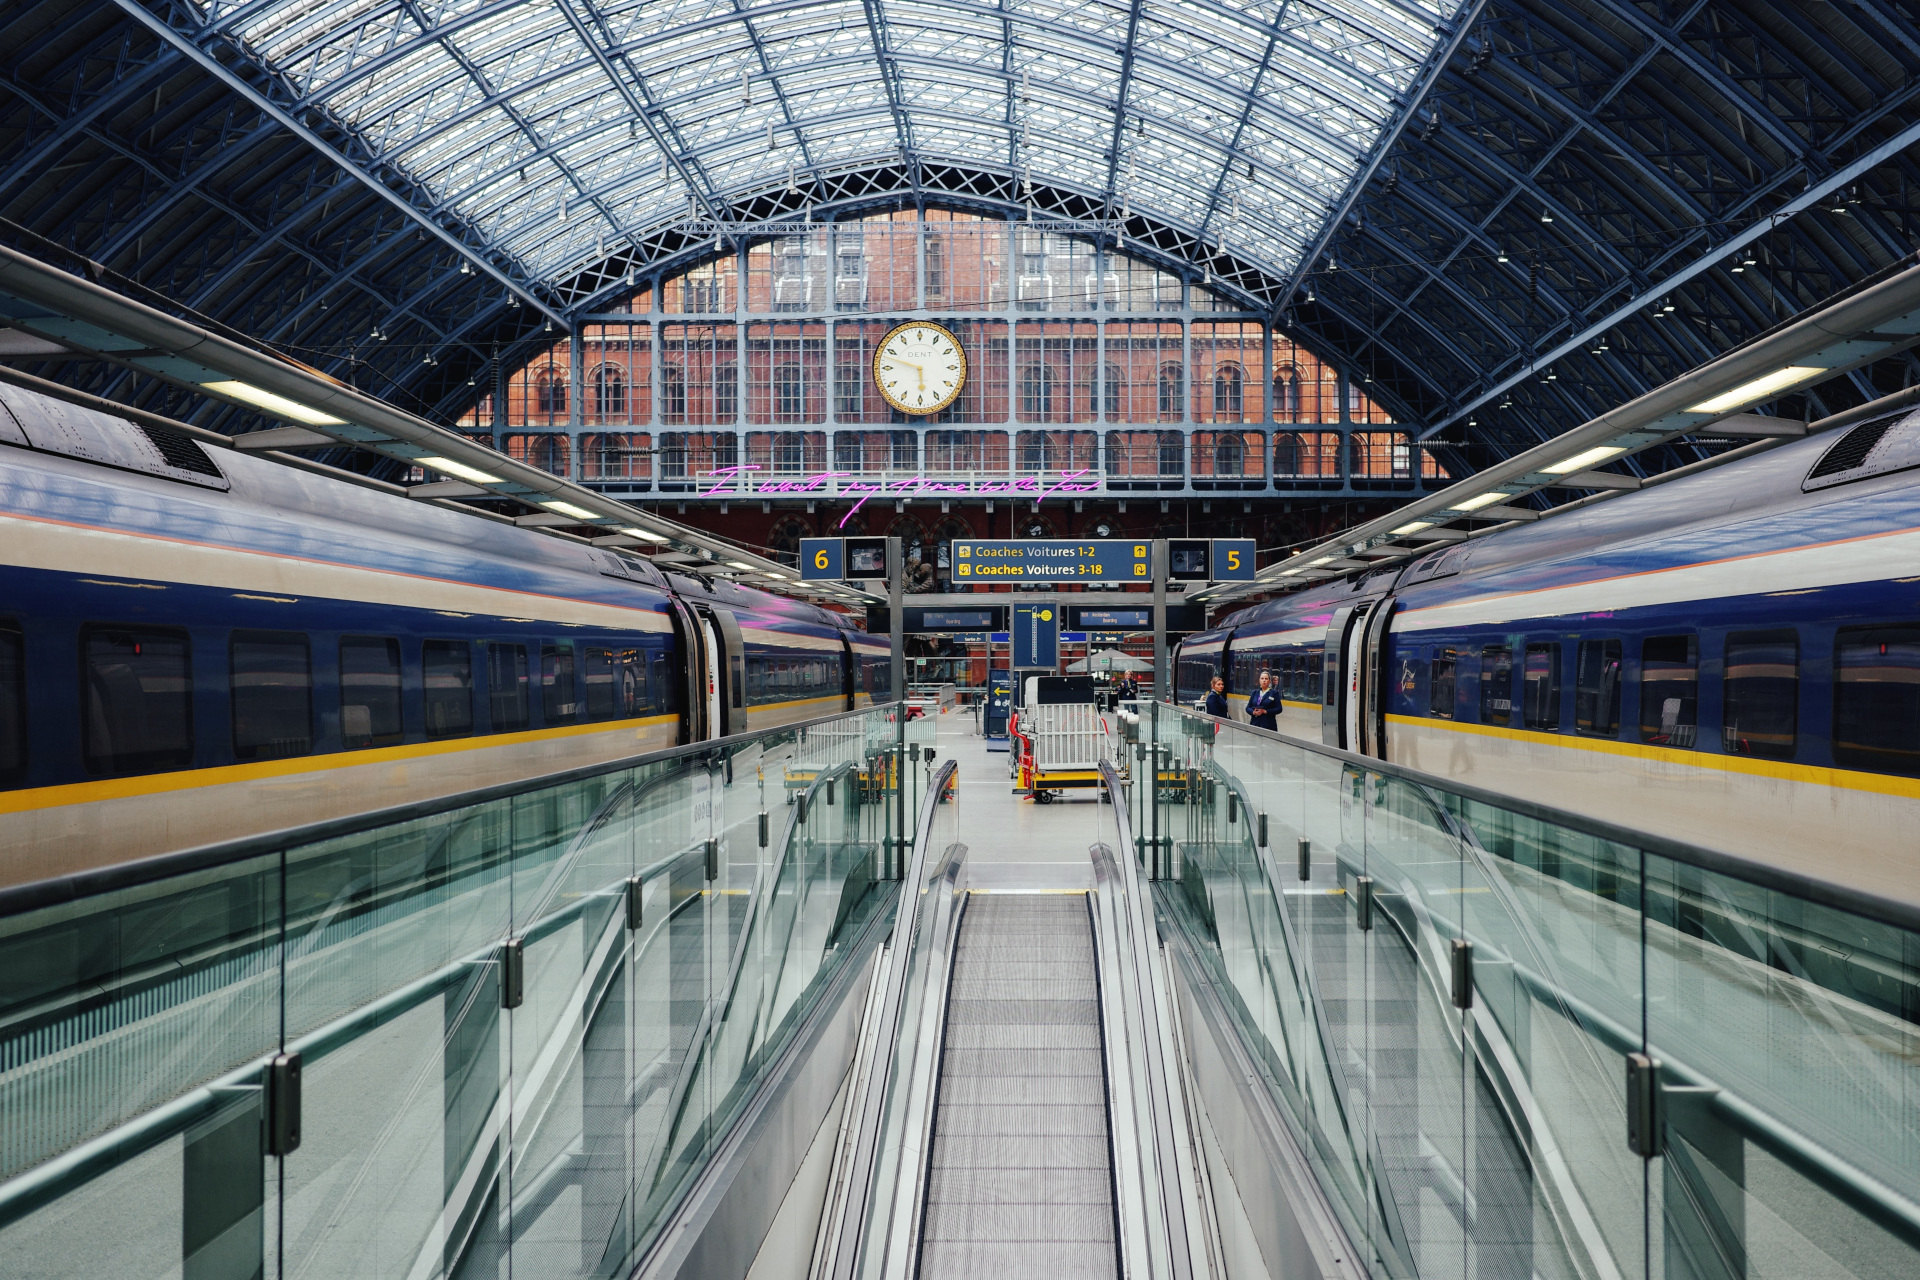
(1316, 106)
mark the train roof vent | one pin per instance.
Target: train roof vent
(1442, 564)
(1873, 448)
(54, 426)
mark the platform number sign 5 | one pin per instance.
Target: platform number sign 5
(1233, 559)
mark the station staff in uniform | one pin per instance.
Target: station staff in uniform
(1264, 705)
(1217, 700)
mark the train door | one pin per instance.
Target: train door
(692, 633)
(1338, 683)
(849, 670)
(1371, 716)
(727, 672)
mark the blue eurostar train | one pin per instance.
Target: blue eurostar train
(1731, 658)
(196, 645)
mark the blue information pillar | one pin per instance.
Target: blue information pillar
(1036, 636)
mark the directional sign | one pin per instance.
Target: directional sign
(1054, 560)
(1233, 559)
(1036, 636)
(823, 559)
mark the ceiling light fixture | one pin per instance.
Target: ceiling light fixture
(458, 470)
(643, 534)
(568, 509)
(1414, 527)
(1759, 389)
(1483, 500)
(1581, 461)
(279, 406)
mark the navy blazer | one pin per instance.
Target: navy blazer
(1263, 706)
(1217, 705)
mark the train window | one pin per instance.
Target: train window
(13, 703)
(507, 687)
(1669, 690)
(1596, 688)
(272, 685)
(599, 681)
(446, 670)
(633, 682)
(1312, 692)
(1876, 699)
(1440, 682)
(369, 691)
(139, 699)
(1542, 695)
(1496, 684)
(557, 699)
(1762, 698)
(663, 683)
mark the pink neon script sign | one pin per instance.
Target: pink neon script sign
(737, 480)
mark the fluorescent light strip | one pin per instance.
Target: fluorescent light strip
(458, 470)
(643, 534)
(1484, 500)
(1581, 461)
(1757, 390)
(568, 509)
(1415, 527)
(278, 406)
(741, 564)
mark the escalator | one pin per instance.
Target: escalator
(1021, 1176)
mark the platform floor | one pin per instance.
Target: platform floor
(1013, 844)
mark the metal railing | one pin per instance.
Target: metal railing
(504, 1029)
(1518, 1040)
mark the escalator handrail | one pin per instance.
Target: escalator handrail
(1145, 1006)
(863, 1198)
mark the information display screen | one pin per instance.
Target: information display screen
(1053, 560)
(1113, 619)
(957, 620)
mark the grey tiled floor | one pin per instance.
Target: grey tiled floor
(1013, 844)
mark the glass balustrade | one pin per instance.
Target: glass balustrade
(1444, 989)
(523, 1020)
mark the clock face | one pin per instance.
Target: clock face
(919, 367)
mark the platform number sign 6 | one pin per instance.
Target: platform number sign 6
(823, 559)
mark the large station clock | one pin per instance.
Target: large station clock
(919, 367)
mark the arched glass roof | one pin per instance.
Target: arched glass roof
(563, 130)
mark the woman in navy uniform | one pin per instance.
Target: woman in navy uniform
(1264, 705)
(1217, 700)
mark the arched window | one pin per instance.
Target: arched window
(1229, 456)
(673, 394)
(1173, 450)
(1227, 394)
(609, 394)
(1036, 392)
(1110, 397)
(1286, 394)
(550, 394)
(1173, 392)
(789, 393)
(726, 387)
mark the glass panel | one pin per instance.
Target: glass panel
(1669, 690)
(1596, 694)
(1762, 694)
(447, 687)
(524, 1025)
(271, 684)
(618, 360)
(369, 691)
(507, 687)
(13, 703)
(1876, 699)
(1496, 685)
(1543, 686)
(139, 713)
